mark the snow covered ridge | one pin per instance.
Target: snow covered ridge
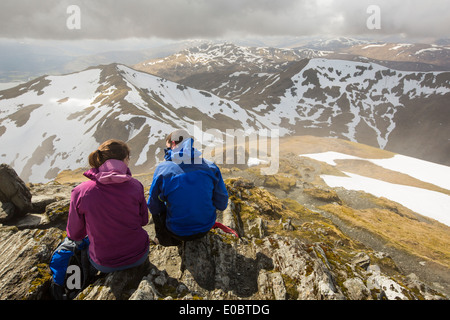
(326, 89)
(336, 43)
(212, 56)
(53, 123)
(428, 203)
(437, 56)
(359, 101)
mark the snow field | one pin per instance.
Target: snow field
(432, 204)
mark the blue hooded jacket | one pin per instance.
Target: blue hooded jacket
(190, 188)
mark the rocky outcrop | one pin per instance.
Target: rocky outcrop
(284, 252)
(28, 238)
(15, 198)
(24, 272)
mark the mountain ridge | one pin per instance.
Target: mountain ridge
(245, 88)
(211, 56)
(434, 55)
(100, 102)
(316, 97)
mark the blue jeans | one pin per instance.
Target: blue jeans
(111, 269)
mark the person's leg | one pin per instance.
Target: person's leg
(188, 238)
(163, 236)
(105, 269)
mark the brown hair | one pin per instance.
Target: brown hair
(111, 149)
(177, 136)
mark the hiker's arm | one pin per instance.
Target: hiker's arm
(154, 203)
(76, 225)
(220, 195)
(143, 209)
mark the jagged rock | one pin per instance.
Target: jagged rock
(256, 227)
(211, 263)
(287, 225)
(414, 283)
(119, 285)
(271, 285)
(46, 194)
(387, 287)
(146, 290)
(226, 217)
(158, 285)
(31, 221)
(50, 206)
(248, 202)
(24, 272)
(56, 212)
(242, 183)
(280, 181)
(361, 260)
(55, 215)
(13, 190)
(304, 266)
(323, 195)
(356, 289)
(373, 269)
(39, 204)
(7, 210)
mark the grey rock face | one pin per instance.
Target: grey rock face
(13, 192)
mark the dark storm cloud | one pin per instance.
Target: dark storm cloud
(177, 19)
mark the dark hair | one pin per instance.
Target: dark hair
(177, 136)
(111, 149)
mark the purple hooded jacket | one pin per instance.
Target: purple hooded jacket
(111, 209)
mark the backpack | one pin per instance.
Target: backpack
(70, 269)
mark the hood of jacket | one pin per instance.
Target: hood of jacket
(168, 154)
(185, 152)
(112, 171)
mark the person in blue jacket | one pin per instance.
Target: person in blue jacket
(185, 193)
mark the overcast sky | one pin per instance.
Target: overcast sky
(187, 19)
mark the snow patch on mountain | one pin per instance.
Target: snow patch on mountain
(425, 202)
(51, 123)
(426, 171)
(372, 92)
(211, 56)
(177, 97)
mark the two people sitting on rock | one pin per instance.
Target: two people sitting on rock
(185, 193)
(111, 210)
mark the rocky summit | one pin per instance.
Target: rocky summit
(285, 251)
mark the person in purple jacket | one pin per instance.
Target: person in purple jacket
(110, 209)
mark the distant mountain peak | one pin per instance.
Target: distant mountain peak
(224, 56)
(333, 44)
(54, 122)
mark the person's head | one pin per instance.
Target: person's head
(111, 149)
(176, 137)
